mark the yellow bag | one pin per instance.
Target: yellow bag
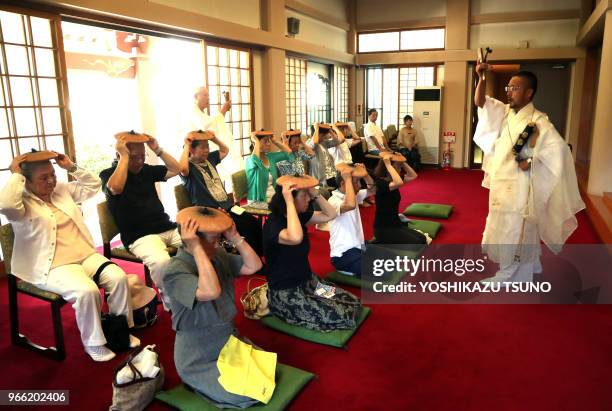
(246, 370)
(255, 301)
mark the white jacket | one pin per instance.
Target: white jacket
(34, 223)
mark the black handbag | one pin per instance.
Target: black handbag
(116, 331)
(146, 315)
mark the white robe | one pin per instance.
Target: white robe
(233, 162)
(525, 206)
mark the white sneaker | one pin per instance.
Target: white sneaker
(134, 341)
(99, 352)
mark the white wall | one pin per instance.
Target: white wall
(245, 12)
(321, 34)
(381, 11)
(488, 6)
(549, 33)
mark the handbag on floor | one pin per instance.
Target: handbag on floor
(141, 385)
(255, 301)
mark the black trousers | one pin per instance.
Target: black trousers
(250, 228)
(412, 157)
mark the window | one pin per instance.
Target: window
(340, 93)
(32, 111)
(409, 78)
(307, 93)
(391, 91)
(422, 39)
(318, 89)
(372, 42)
(295, 93)
(409, 40)
(228, 69)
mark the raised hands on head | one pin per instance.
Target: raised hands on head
(63, 161)
(121, 147)
(189, 235)
(15, 165)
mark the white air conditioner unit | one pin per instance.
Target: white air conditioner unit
(427, 117)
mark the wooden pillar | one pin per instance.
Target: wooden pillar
(454, 100)
(600, 168)
(273, 87)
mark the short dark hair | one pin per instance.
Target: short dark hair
(407, 117)
(372, 110)
(27, 169)
(531, 78)
(277, 205)
(196, 143)
(294, 136)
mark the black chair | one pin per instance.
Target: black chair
(16, 286)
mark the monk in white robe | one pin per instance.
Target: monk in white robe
(201, 120)
(533, 194)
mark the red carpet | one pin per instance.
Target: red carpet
(419, 357)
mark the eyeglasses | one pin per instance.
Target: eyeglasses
(512, 88)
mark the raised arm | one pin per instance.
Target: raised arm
(328, 212)
(396, 180)
(86, 185)
(256, 145)
(350, 200)
(280, 144)
(293, 234)
(209, 287)
(355, 139)
(479, 94)
(223, 149)
(339, 135)
(251, 263)
(184, 160)
(410, 173)
(11, 195)
(117, 180)
(171, 164)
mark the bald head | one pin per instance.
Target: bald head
(201, 98)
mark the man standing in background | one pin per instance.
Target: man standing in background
(201, 120)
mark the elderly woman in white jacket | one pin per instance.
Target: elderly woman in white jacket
(53, 248)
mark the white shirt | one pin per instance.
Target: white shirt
(341, 153)
(371, 131)
(34, 223)
(346, 230)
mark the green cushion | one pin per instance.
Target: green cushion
(289, 382)
(430, 227)
(337, 338)
(429, 210)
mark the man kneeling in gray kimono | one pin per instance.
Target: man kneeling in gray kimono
(199, 282)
